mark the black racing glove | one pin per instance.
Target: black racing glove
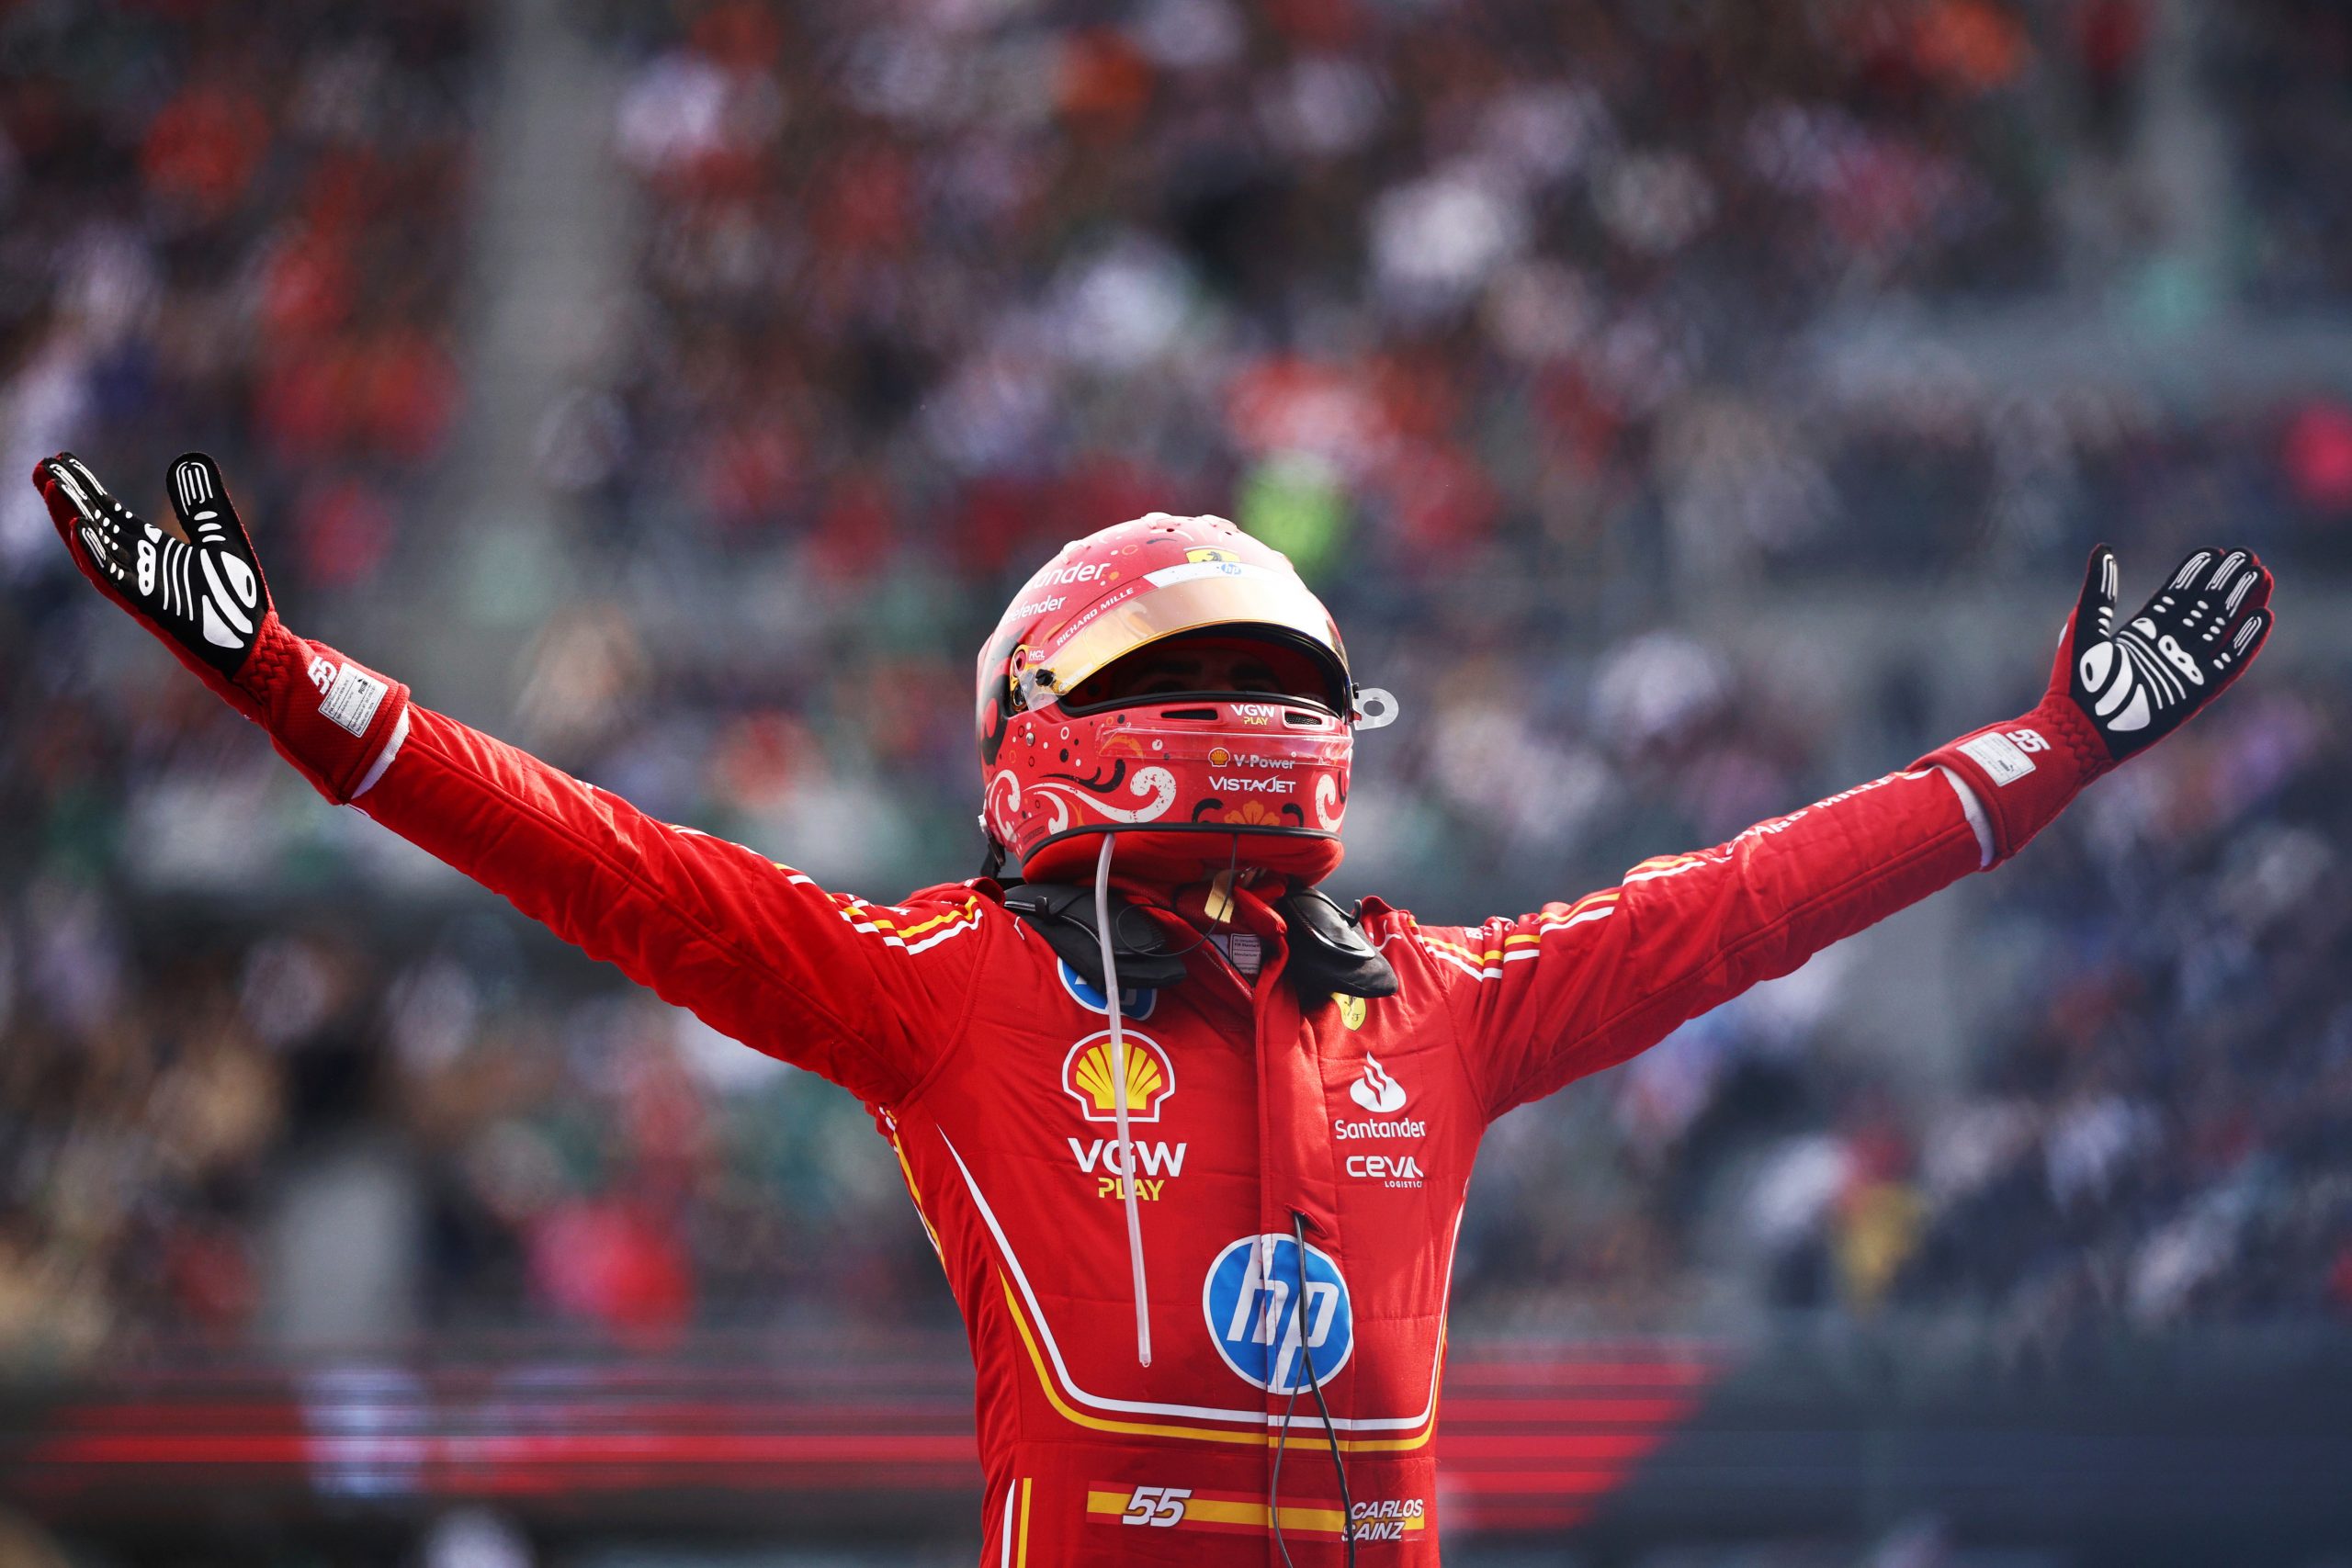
(2141, 682)
(2114, 691)
(204, 597)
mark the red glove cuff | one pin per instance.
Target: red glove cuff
(338, 722)
(2023, 773)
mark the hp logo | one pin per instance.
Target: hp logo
(1261, 1328)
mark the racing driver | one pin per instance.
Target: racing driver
(1190, 1139)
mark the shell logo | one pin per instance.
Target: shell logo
(1219, 757)
(1089, 1078)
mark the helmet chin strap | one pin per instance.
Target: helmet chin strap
(1119, 1096)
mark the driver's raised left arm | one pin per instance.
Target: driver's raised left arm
(1545, 999)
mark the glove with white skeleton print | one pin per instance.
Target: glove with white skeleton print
(203, 596)
(2115, 691)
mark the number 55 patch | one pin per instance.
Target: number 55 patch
(1155, 1508)
(1166, 1507)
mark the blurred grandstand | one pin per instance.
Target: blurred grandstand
(1651, 389)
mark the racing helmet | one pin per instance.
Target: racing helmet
(1249, 771)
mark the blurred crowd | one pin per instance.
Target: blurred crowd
(1514, 323)
(2153, 1127)
(235, 227)
(1451, 288)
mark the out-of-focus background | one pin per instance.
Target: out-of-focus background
(1688, 406)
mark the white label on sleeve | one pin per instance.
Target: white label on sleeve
(1999, 757)
(354, 698)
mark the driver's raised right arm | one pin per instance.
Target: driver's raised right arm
(862, 994)
(865, 996)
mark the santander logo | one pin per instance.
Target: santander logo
(1376, 1091)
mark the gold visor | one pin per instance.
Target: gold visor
(1178, 598)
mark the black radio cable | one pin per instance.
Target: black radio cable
(1307, 1353)
(1274, 1488)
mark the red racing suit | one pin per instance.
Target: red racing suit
(982, 1059)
